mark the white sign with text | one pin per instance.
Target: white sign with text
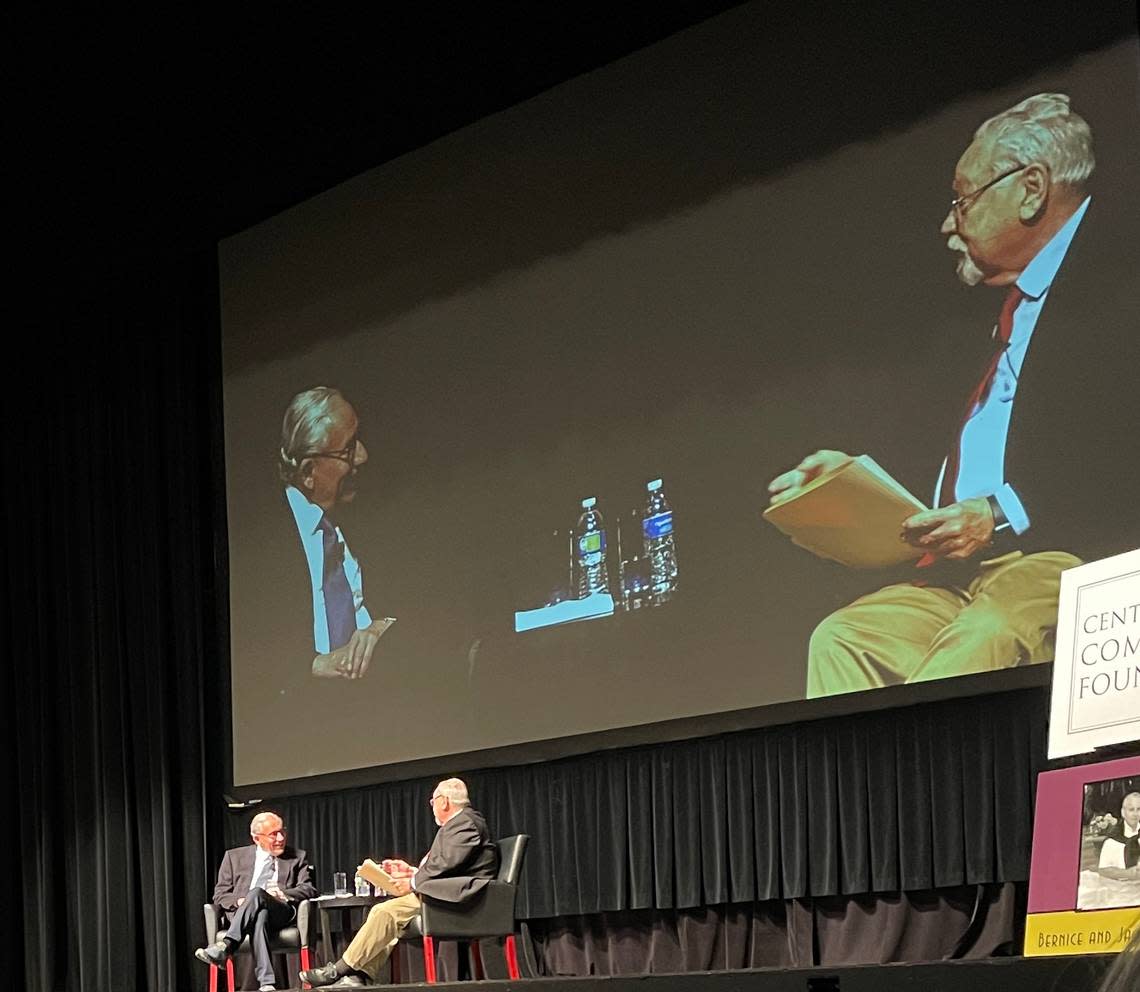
(1096, 672)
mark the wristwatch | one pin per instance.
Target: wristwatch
(1000, 520)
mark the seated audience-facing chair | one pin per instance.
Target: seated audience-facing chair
(491, 913)
(290, 940)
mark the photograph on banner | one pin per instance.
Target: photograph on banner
(1110, 845)
(1084, 878)
(564, 424)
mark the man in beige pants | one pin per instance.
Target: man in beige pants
(462, 860)
(1028, 487)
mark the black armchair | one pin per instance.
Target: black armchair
(293, 939)
(490, 913)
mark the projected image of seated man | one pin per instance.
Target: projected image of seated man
(1032, 447)
(321, 453)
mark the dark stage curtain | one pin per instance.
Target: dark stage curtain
(926, 797)
(964, 922)
(109, 626)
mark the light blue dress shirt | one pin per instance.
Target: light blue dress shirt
(981, 467)
(308, 518)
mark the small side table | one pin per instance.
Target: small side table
(343, 904)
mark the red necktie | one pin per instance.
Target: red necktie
(1003, 333)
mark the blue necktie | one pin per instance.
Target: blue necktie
(340, 611)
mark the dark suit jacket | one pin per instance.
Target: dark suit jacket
(294, 876)
(1074, 434)
(462, 859)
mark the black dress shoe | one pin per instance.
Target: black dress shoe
(216, 954)
(319, 977)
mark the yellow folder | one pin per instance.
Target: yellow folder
(852, 515)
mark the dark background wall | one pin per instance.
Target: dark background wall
(137, 144)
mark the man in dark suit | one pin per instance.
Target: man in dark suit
(259, 887)
(1041, 471)
(460, 863)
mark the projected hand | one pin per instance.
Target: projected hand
(358, 653)
(275, 891)
(825, 460)
(957, 531)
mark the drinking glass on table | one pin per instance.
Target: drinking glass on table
(340, 883)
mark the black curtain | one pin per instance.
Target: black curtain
(920, 798)
(108, 619)
(960, 922)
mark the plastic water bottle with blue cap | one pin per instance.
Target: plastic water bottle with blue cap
(659, 543)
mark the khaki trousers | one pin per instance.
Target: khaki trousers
(1006, 616)
(381, 932)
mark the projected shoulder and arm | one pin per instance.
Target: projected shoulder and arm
(321, 453)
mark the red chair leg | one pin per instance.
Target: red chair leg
(512, 957)
(429, 959)
(213, 978)
(476, 961)
(230, 974)
(305, 965)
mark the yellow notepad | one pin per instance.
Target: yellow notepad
(852, 515)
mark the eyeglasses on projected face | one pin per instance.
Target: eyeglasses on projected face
(960, 204)
(346, 454)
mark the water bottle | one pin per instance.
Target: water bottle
(657, 540)
(590, 549)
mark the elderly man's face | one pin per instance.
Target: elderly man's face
(269, 835)
(330, 476)
(1131, 811)
(987, 229)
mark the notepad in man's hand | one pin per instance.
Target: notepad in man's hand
(373, 873)
(852, 515)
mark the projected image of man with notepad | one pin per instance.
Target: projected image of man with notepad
(1025, 489)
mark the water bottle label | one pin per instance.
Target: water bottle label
(592, 542)
(658, 525)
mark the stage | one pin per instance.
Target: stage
(1055, 974)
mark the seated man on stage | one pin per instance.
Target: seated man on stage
(259, 886)
(462, 860)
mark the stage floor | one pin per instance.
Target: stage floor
(1056, 974)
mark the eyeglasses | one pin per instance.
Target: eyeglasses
(959, 205)
(273, 833)
(346, 454)
(431, 802)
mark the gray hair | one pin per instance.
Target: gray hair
(1129, 796)
(259, 820)
(454, 790)
(308, 421)
(1044, 129)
